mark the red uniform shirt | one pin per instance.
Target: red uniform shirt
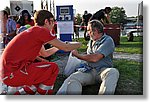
(24, 48)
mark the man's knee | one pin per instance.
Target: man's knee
(75, 76)
(114, 72)
(74, 86)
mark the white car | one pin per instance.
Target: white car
(134, 27)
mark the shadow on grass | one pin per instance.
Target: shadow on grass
(130, 81)
(131, 77)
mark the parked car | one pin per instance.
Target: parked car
(130, 26)
(139, 25)
(137, 28)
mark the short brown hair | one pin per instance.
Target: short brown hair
(96, 24)
(41, 16)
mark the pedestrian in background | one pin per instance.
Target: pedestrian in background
(8, 27)
(85, 19)
(25, 19)
(102, 15)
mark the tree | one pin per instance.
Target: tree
(79, 18)
(118, 15)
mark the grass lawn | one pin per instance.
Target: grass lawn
(131, 72)
(131, 77)
(135, 47)
(130, 81)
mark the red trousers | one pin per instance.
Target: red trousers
(41, 73)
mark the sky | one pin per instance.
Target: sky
(130, 6)
(94, 5)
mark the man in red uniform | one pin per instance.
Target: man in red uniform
(17, 67)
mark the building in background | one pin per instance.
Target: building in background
(17, 6)
(140, 13)
(44, 4)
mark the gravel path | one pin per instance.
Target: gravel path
(127, 56)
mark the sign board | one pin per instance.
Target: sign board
(65, 27)
(65, 24)
(17, 6)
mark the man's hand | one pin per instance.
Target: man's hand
(55, 49)
(75, 53)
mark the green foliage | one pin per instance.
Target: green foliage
(79, 18)
(118, 15)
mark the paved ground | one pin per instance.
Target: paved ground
(127, 56)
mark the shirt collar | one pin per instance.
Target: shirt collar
(101, 40)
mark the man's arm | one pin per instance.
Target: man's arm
(48, 52)
(64, 46)
(41, 59)
(88, 57)
(14, 29)
(108, 18)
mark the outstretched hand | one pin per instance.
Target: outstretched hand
(75, 53)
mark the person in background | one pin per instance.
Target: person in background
(76, 29)
(102, 15)
(96, 66)
(25, 19)
(85, 18)
(17, 66)
(8, 27)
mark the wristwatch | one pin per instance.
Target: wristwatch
(66, 42)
